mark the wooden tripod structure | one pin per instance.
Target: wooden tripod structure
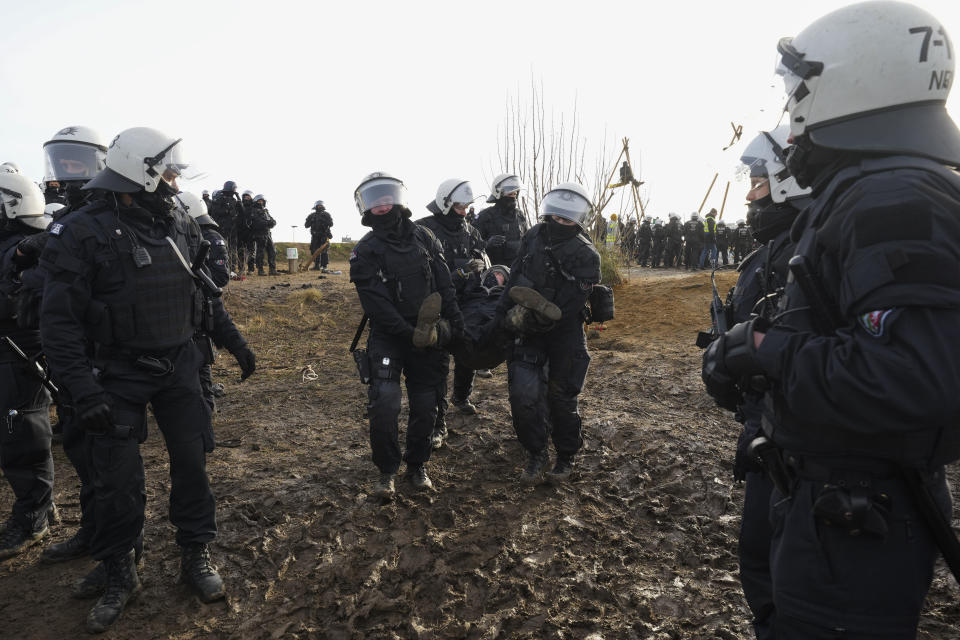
(737, 133)
(634, 184)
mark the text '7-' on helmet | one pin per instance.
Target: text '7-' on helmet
(452, 192)
(504, 184)
(140, 159)
(872, 77)
(379, 189)
(74, 154)
(22, 200)
(570, 201)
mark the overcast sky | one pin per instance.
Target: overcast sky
(299, 101)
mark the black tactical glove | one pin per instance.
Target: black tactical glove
(29, 250)
(496, 242)
(246, 360)
(96, 415)
(729, 359)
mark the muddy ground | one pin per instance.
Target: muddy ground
(641, 545)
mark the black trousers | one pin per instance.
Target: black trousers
(25, 437)
(424, 371)
(74, 445)
(545, 374)
(828, 583)
(119, 495)
(323, 259)
(754, 553)
(264, 245)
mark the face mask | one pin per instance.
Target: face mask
(385, 221)
(559, 232)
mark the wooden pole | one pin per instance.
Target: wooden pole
(713, 182)
(725, 192)
(637, 205)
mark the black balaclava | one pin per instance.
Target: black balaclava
(387, 221)
(506, 203)
(560, 232)
(767, 219)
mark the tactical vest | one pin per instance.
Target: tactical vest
(916, 445)
(406, 270)
(459, 245)
(547, 267)
(511, 225)
(147, 309)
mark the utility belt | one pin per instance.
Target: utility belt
(156, 363)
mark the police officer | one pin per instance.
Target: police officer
(693, 241)
(216, 262)
(741, 242)
(246, 239)
(644, 238)
(723, 242)
(708, 255)
(25, 433)
(543, 305)
(404, 287)
(72, 157)
(463, 249)
(119, 279)
(227, 212)
(675, 231)
(261, 222)
(860, 361)
(207, 202)
(774, 200)
(503, 224)
(320, 223)
(659, 243)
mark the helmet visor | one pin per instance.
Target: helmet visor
(66, 161)
(566, 204)
(379, 193)
(171, 163)
(510, 184)
(463, 194)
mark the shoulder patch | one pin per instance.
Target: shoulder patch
(56, 229)
(874, 322)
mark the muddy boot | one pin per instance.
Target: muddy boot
(90, 585)
(425, 333)
(261, 272)
(533, 470)
(561, 469)
(418, 476)
(531, 299)
(77, 546)
(464, 405)
(384, 487)
(197, 571)
(484, 373)
(518, 319)
(123, 583)
(273, 271)
(18, 536)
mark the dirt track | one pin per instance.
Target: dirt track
(641, 545)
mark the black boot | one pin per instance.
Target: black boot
(77, 546)
(123, 583)
(197, 571)
(18, 536)
(562, 469)
(418, 476)
(464, 405)
(533, 470)
(94, 583)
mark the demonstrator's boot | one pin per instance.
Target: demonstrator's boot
(76, 546)
(561, 469)
(534, 468)
(425, 333)
(417, 474)
(384, 487)
(123, 583)
(18, 536)
(533, 300)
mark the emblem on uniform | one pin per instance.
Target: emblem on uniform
(56, 228)
(353, 255)
(873, 322)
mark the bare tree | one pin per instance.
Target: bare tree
(545, 147)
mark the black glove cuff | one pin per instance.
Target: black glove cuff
(740, 355)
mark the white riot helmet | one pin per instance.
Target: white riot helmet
(568, 200)
(142, 158)
(52, 208)
(503, 184)
(318, 203)
(259, 197)
(248, 192)
(22, 200)
(872, 77)
(766, 156)
(379, 189)
(195, 207)
(9, 167)
(74, 154)
(451, 192)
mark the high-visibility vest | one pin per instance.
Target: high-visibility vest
(612, 229)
